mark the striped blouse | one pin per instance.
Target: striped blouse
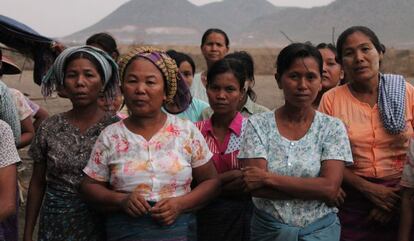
(225, 153)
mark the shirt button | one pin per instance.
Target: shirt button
(292, 144)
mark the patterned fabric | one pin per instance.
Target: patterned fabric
(177, 90)
(266, 228)
(198, 90)
(8, 111)
(250, 108)
(8, 156)
(225, 153)
(376, 152)
(8, 151)
(65, 151)
(120, 226)
(407, 179)
(326, 139)
(56, 74)
(65, 216)
(391, 102)
(23, 108)
(35, 107)
(159, 168)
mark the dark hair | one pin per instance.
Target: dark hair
(248, 63)
(215, 30)
(294, 51)
(366, 31)
(180, 57)
(106, 42)
(331, 47)
(84, 55)
(227, 65)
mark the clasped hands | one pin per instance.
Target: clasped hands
(165, 211)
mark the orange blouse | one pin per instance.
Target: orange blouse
(375, 152)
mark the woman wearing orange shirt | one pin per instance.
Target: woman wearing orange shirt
(377, 110)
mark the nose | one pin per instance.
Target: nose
(302, 83)
(80, 81)
(140, 89)
(221, 95)
(358, 56)
(325, 68)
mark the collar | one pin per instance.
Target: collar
(249, 106)
(235, 125)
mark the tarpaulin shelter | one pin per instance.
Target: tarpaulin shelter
(30, 43)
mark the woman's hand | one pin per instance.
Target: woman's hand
(254, 177)
(135, 205)
(383, 197)
(167, 210)
(380, 216)
(339, 200)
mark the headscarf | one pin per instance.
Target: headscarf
(56, 75)
(177, 91)
(391, 102)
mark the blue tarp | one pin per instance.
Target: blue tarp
(27, 41)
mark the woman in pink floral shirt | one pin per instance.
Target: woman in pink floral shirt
(141, 168)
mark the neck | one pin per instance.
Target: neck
(366, 87)
(144, 122)
(296, 114)
(86, 112)
(222, 120)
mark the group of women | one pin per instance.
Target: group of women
(326, 165)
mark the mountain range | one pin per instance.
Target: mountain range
(255, 23)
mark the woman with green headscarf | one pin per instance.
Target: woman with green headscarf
(63, 143)
(141, 168)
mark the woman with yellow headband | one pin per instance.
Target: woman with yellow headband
(141, 168)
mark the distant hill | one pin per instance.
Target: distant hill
(253, 22)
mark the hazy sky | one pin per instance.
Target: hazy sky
(57, 18)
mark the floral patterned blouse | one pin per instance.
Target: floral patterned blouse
(65, 150)
(326, 139)
(159, 168)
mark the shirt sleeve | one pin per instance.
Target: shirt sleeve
(97, 167)
(407, 179)
(8, 151)
(8, 112)
(336, 145)
(200, 153)
(22, 106)
(325, 106)
(253, 143)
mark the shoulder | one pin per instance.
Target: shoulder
(327, 122)
(262, 117)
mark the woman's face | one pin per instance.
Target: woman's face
(214, 48)
(187, 72)
(301, 82)
(82, 82)
(224, 93)
(143, 88)
(360, 58)
(332, 71)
